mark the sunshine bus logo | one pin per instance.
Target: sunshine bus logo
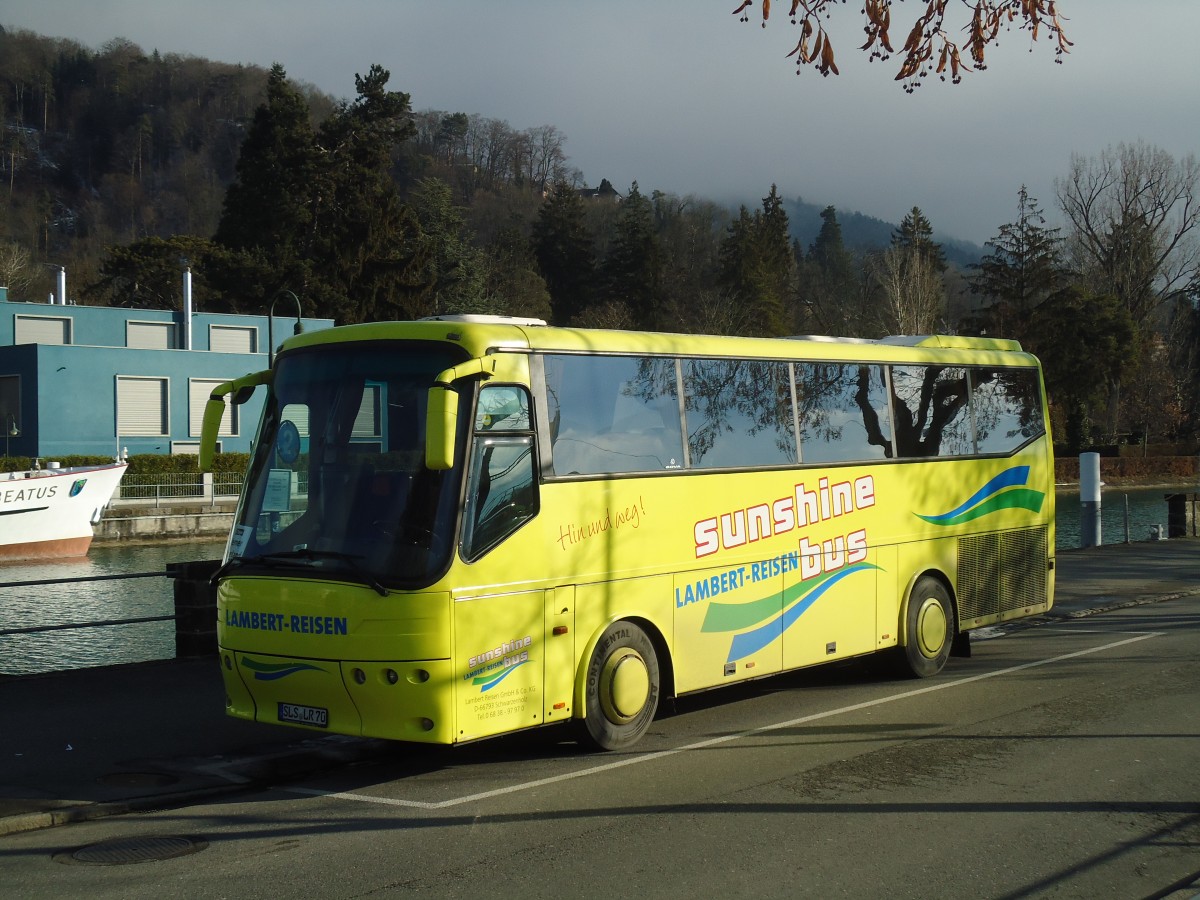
(1006, 491)
(492, 666)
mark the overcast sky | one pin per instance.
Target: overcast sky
(682, 97)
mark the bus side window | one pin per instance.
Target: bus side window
(502, 494)
(843, 412)
(502, 490)
(1007, 410)
(613, 414)
(931, 414)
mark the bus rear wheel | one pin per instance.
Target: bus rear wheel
(930, 628)
(622, 688)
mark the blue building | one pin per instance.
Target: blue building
(97, 380)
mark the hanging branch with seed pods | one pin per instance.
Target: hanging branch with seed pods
(929, 48)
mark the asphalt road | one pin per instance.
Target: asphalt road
(1060, 760)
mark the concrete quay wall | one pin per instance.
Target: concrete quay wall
(145, 521)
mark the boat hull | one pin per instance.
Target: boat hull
(49, 513)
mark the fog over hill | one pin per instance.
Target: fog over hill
(863, 233)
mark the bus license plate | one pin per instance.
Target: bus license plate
(304, 715)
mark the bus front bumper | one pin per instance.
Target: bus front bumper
(393, 700)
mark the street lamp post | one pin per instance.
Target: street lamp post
(297, 328)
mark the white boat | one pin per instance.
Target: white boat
(49, 513)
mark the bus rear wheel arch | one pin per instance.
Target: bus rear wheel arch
(622, 687)
(929, 628)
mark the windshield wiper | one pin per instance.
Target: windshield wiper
(306, 555)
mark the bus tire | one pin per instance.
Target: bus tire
(929, 635)
(622, 688)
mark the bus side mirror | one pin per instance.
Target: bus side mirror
(441, 426)
(215, 408)
(441, 415)
(214, 412)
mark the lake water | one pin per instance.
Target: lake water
(53, 604)
(1147, 506)
(22, 607)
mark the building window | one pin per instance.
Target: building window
(150, 335)
(232, 339)
(42, 330)
(199, 390)
(142, 406)
(10, 403)
(366, 423)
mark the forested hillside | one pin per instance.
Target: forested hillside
(124, 167)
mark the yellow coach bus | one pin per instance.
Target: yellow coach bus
(458, 527)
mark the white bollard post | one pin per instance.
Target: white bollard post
(1089, 500)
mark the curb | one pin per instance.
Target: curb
(69, 815)
(300, 759)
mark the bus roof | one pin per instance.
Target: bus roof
(479, 335)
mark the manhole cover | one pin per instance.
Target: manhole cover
(122, 851)
(137, 779)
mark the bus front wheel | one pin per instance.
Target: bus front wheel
(930, 628)
(622, 688)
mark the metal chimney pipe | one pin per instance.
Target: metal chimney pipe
(187, 308)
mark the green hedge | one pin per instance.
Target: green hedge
(1148, 470)
(139, 464)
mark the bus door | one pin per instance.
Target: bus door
(499, 654)
(560, 652)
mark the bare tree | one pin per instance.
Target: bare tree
(1133, 213)
(928, 48)
(914, 297)
(16, 269)
(542, 158)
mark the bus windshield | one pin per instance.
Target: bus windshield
(337, 486)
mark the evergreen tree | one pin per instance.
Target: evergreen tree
(1083, 341)
(1024, 269)
(632, 271)
(779, 262)
(757, 268)
(563, 248)
(367, 239)
(269, 205)
(453, 270)
(322, 210)
(829, 281)
(513, 285)
(916, 233)
(688, 231)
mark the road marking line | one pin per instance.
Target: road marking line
(712, 742)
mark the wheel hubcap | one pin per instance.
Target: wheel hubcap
(625, 685)
(932, 628)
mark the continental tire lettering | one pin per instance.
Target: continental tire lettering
(615, 714)
(601, 652)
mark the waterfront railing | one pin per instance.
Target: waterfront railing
(195, 606)
(175, 487)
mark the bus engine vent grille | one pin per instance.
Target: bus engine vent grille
(1000, 574)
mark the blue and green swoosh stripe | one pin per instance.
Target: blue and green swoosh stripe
(763, 616)
(264, 671)
(1006, 491)
(488, 682)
